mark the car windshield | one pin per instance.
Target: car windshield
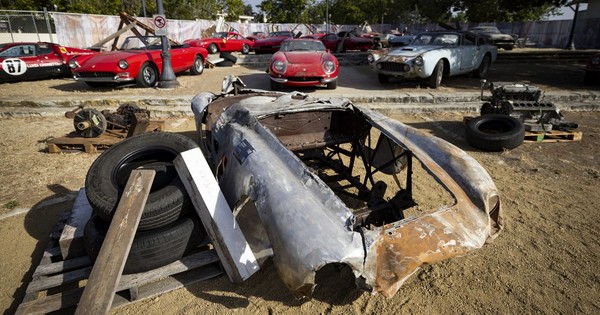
(436, 39)
(219, 35)
(276, 34)
(142, 42)
(302, 45)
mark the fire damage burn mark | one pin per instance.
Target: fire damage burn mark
(314, 182)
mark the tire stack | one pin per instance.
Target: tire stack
(169, 226)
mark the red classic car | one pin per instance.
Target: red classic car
(303, 62)
(592, 70)
(343, 41)
(224, 42)
(272, 43)
(138, 60)
(30, 61)
(256, 36)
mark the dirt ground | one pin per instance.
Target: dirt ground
(545, 261)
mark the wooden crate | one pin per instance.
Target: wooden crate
(553, 136)
(57, 283)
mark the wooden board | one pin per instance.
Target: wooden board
(57, 283)
(71, 238)
(230, 243)
(553, 136)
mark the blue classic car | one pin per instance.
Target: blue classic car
(434, 55)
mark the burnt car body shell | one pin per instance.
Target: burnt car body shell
(592, 70)
(223, 41)
(36, 60)
(104, 67)
(499, 39)
(303, 221)
(304, 68)
(343, 41)
(271, 43)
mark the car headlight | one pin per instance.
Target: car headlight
(279, 66)
(419, 61)
(123, 64)
(328, 66)
(595, 61)
(73, 64)
(370, 58)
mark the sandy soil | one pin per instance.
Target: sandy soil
(545, 261)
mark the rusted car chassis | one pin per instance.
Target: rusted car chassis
(321, 181)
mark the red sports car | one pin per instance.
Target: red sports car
(30, 61)
(343, 41)
(224, 42)
(303, 62)
(272, 43)
(138, 60)
(256, 36)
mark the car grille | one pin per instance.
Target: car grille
(394, 66)
(301, 79)
(96, 74)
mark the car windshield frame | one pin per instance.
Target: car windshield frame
(302, 45)
(142, 43)
(487, 30)
(437, 39)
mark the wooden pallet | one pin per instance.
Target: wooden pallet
(553, 136)
(58, 284)
(73, 142)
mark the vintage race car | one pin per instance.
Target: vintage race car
(30, 61)
(256, 36)
(343, 41)
(271, 43)
(303, 62)
(139, 61)
(433, 55)
(592, 70)
(501, 40)
(223, 42)
(313, 182)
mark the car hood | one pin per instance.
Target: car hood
(412, 51)
(303, 57)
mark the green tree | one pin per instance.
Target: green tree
(286, 11)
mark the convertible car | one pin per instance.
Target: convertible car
(39, 60)
(501, 40)
(223, 42)
(139, 61)
(433, 55)
(313, 182)
(271, 43)
(343, 41)
(303, 62)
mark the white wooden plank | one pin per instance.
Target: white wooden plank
(216, 215)
(71, 238)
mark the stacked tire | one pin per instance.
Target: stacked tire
(169, 227)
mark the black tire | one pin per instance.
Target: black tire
(148, 75)
(435, 80)
(150, 249)
(245, 49)
(212, 49)
(108, 176)
(332, 85)
(275, 86)
(198, 66)
(228, 56)
(383, 79)
(225, 63)
(484, 67)
(495, 132)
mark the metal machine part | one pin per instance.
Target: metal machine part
(91, 123)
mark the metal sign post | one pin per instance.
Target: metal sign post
(167, 77)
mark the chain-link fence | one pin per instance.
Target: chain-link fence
(26, 26)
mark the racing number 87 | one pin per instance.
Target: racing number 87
(13, 66)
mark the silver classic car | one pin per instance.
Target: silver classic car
(434, 55)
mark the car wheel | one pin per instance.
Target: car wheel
(383, 79)
(588, 77)
(435, 80)
(495, 132)
(275, 86)
(150, 249)
(245, 49)
(198, 66)
(484, 67)
(148, 75)
(332, 85)
(212, 49)
(108, 175)
(508, 47)
(228, 56)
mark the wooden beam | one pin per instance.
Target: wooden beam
(71, 238)
(115, 35)
(100, 289)
(234, 251)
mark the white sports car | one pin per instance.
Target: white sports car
(433, 55)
